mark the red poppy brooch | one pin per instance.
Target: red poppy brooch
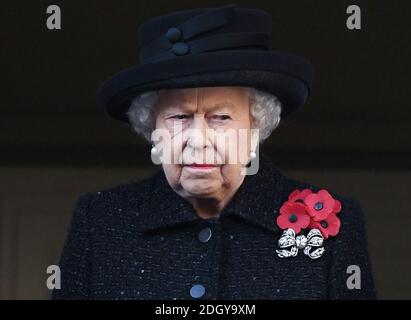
(306, 209)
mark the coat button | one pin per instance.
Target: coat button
(173, 34)
(204, 235)
(180, 48)
(197, 291)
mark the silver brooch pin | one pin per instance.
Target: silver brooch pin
(290, 244)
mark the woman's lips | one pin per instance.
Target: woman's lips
(201, 166)
(195, 165)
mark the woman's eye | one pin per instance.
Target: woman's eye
(221, 117)
(179, 116)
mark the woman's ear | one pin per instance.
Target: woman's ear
(255, 137)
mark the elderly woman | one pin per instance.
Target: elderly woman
(217, 220)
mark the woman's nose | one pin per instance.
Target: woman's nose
(198, 131)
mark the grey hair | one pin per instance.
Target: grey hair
(265, 111)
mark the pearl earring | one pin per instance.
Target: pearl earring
(253, 155)
(154, 150)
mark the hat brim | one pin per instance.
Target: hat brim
(287, 76)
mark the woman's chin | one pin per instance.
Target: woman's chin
(202, 191)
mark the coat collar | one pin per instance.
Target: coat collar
(257, 201)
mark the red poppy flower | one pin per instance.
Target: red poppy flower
(321, 204)
(330, 226)
(293, 215)
(313, 210)
(337, 206)
(298, 195)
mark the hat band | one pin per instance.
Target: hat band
(244, 40)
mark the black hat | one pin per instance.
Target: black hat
(207, 47)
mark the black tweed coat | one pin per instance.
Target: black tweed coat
(143, 241)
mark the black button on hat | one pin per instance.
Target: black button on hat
(180, 48)
(174, 34)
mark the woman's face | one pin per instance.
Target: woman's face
(209, 126)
